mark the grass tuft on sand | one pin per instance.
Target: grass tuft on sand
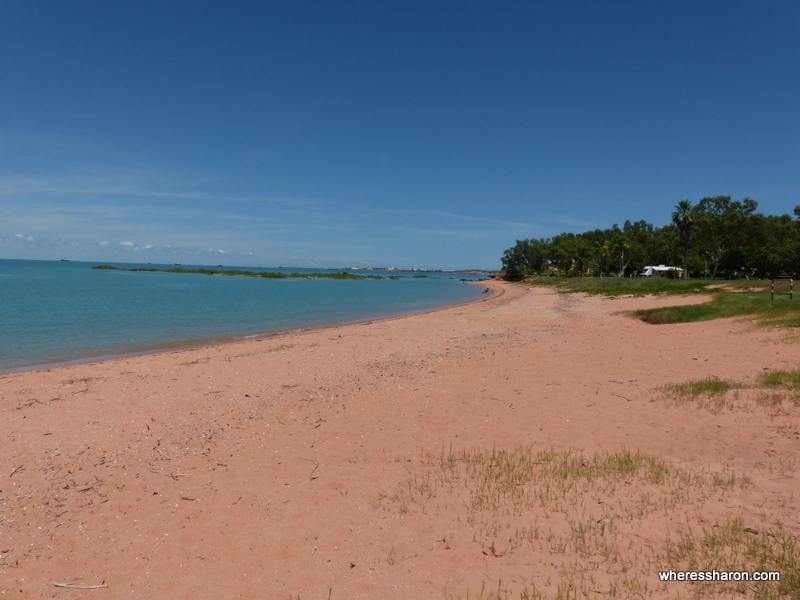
(732, 547)
(778, 391)
(587, 520)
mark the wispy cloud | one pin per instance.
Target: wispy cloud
(481, 221)
(146, 216)
(114, 184)
(453, 233)
(105, 250)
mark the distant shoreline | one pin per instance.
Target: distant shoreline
(263, 274)
(487, 272)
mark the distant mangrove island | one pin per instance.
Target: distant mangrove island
(264, 274)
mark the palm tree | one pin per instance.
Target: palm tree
(682, 218)
(621, 247)
(582, 256)
(603, 253)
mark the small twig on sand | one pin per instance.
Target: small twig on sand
(19, 468)
(80, 587)
(79, 488)
(623, 397)
(314, 470)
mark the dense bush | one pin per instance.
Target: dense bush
(715, 237)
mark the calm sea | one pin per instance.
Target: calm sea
(55, 313)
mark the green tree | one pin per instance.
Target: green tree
(767, 248)
(720, 224)
(641, 235)
(603, 252)
(524, 258)
(683, 220)
(563, 253)
(583, 254)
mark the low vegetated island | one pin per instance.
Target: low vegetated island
(263, 274)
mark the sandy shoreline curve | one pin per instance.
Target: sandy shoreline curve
(306, 464)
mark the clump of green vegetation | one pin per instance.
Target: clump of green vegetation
(781, 379)
(691, 390)
(679, 314)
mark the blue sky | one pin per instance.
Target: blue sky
(410, 134)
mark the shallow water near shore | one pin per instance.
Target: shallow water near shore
(62, 312)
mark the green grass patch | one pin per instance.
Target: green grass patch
(640, 286)
(754, 305)
(694, 389)
(624, 286)
(680, 314)
(705, 393)
(781, 379)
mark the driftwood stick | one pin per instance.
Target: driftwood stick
(80, 587)
(79, 488)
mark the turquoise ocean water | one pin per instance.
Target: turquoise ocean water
(55, 313)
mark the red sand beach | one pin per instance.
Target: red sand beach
(307, 465)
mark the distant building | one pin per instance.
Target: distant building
(673, 272)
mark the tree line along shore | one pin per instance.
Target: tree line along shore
(716, 237)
